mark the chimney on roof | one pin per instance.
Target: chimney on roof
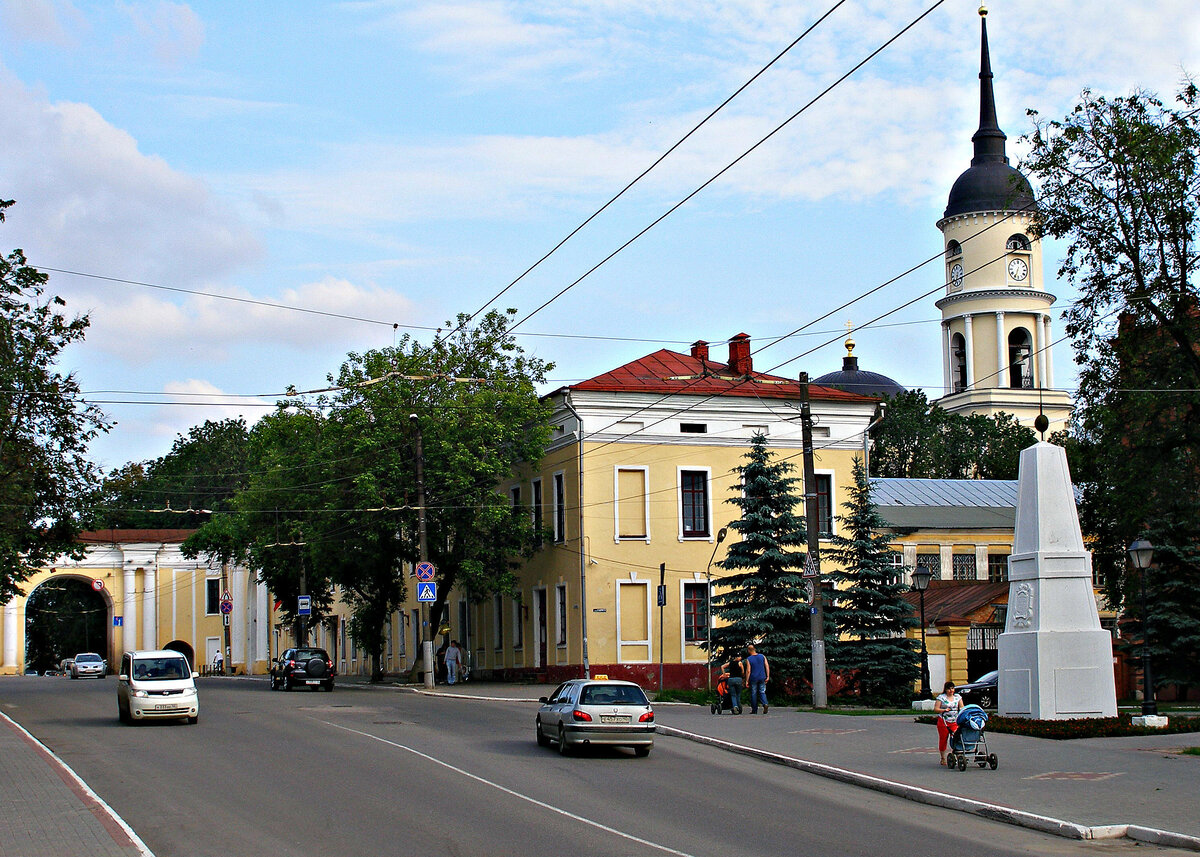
(700, 349)
(739, 355)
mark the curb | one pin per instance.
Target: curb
(993, 812)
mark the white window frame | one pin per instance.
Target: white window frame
(617, 470)
(622, 643)
(833, 502)
(498, 623)
(708, 499)
(684, 644)
(518, 629)
(561, 612)
(559, 481)
(536, 503)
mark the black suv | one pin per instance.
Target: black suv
(303, 667)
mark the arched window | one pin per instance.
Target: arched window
(953, 248)
(1020, 359)
(958, 362)
(1017, 242)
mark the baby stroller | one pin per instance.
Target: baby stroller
(725, 701)
(967, 742)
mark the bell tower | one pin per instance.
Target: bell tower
(996, 334)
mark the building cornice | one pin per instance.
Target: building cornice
(993, 294)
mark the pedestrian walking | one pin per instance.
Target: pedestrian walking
(453, 662)
(759, 674)
(946, 706)
(736, 670)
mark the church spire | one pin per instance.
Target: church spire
(989, 139)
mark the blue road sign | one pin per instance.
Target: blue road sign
(425, 571)
(304, 605)
(427, 592)
(118, 621)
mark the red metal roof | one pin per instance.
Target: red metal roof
(667, 371)
(952, 602)
(112, 537)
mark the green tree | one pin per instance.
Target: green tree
(1120, 183)
(870, 614)
(919, 440)
(201, 474)
(46, 482)
(764, 600)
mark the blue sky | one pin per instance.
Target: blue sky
(400, 162)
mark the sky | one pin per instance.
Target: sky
(354, 171)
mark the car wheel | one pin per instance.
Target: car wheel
(641, 752)
(986, 701)
(123, 715)
(564, 749)
(192, 721)
(328, 686)
(542, 740)
(287, 683)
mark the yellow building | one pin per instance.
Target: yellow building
(152, 598)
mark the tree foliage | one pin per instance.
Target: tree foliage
(870, 614)
(763, 598)
(46, 482)
(1121, 183)
(917, 440)
(332, 497)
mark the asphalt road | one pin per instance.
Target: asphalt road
(384, 772)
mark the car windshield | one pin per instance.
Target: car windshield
(986, 677)
(160, 669)
(88, 659)
(612, 694)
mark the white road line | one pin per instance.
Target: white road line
(85, 788)
(515, 794)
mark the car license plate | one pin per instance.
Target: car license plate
(167, 706)
(614, 718)
(312, 681)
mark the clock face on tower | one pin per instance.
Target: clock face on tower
(956, 276)
(1018, 270)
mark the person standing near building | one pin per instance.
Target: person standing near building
(946, 707)
(735, 669)
(453, 661)
(759, 674)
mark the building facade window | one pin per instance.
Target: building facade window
(824, 505)
(536, 490)
(693, 504)
(962, 566)
(212, 596)
(560, 508)
(632, 503)
(896, 561)
(695, 612)
(497, 622)
(518, 625)
(560, 599)
(931, 561)
(997, 567)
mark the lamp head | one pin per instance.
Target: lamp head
(721, 534)
(920, 578)
(1141, 554)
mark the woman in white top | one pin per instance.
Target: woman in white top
(946, 706)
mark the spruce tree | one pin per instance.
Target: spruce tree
(764, 600)
(871, 616)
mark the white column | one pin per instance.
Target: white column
(910, 561)
(981, 562)
(1001, 352)
(947, 389)
(10, 633)
(263, 620)
(129, 631)
(1048, 339)
(150, 607)
(946, 561)
(969, 345)
(240, 618)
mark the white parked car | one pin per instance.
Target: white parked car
(87, 664)
(157, 684)
(587, 712)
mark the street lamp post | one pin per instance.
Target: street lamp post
(721, 534)
(1141, 554)
(920, 578)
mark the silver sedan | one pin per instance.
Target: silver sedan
(587, 712)
(89, 664)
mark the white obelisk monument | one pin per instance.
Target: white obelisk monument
(1055, 660)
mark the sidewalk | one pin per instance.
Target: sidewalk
(46, 811)
(1089, 788)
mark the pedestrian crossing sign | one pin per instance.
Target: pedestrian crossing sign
(427, 592)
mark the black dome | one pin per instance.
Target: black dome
(990, 186)
(854, 380)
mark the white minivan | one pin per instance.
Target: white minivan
(156, 684)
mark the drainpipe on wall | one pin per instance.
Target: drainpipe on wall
(583, 616)
(867, 439)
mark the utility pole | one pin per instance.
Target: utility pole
(227, 652)
(812, 523)
(426, 638)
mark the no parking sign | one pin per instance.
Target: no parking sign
(98, 585)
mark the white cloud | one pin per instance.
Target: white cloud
(53, 22)
(174, 32)
(89, 200)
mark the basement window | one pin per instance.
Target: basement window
(693, 428)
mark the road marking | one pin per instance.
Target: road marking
(515, 794)
(825, 731)
(1075, 775)
(105, 814)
